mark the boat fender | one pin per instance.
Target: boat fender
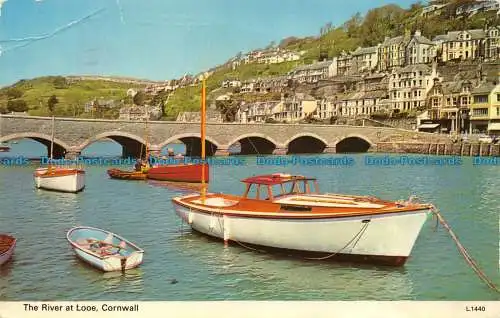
(190, 217)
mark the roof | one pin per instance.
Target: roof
(314, 66)
(484, 88)
(275, 178)
(365, 50)
(414, 68)
(453, 35)
(422, 39)
(395, 40)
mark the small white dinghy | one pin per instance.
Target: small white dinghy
(103, 249)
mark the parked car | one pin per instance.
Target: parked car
(485, 139)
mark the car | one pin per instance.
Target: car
(485, 139)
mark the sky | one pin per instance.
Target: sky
(152, 39)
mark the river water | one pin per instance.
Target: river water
(44, 267)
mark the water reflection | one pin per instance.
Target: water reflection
(258, 274)
(176, 186)
(105, 283)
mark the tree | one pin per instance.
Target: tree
(13, 93)
(3, 109)
(140, 98)
(60, 82)
(353, 25)
(382, 22)
(51, 103)
(17, 105)
(228, 109)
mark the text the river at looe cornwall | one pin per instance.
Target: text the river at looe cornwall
(44, 268)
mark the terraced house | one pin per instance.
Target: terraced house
(312, 73)
(295, 107)
(492, 43)
(364, 59)
(450, 102)
(465, 44)
(408, 86)
(420, 50)
(392, 52)
(485, 108)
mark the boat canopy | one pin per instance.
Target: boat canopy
(275, 178)
(264, 186)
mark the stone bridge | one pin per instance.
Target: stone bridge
(72, 135)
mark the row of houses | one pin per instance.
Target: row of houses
(468, 104)
(404, 51)
(467, 9)
(271, 56)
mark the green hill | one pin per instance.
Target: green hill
(33, 95)
(368, 30)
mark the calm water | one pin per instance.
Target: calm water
(44, 267)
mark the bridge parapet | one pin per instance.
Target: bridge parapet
(73, 135)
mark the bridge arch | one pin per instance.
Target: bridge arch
(255, 143)
(193, 144)
(60, 147)
(353, 143)
(306, 143)
(133, 145)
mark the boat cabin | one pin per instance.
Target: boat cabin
(269, 187)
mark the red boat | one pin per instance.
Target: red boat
(4, 148)
(190, 173)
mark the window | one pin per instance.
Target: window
(480, 112)
(480, 99)
(498, 97)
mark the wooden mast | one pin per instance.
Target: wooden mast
(147, 137)
(52, 142)
(203, 111)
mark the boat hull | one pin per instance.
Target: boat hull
(109, 263)
(4, 148)
(62, 180)
(189, 173)
(385, 238)
(126, 175)
(7, 246)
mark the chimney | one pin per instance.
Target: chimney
(418, 33)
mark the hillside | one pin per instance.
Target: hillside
(368, 30)
(71, 95)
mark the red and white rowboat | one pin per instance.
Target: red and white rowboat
(288, 213)
(7, 246)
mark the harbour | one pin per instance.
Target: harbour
(182, 265)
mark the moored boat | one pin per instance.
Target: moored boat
(104, 250)
(4, 148)
(60, 179)
(7, 246)
(191, 173)
(288, 213)
(115, 173)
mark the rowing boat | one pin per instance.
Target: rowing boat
(7, 246)
(104, 250)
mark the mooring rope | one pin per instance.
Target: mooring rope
(463, 251)
(358, 236)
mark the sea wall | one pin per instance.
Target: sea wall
(444, 149)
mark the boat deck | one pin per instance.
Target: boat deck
(298, 205)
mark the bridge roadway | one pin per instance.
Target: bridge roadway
(72, 135)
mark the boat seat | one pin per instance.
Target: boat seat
(217, 202)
